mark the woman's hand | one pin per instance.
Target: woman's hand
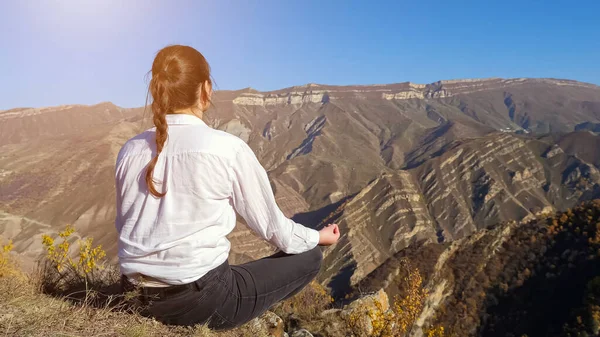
(329, 235)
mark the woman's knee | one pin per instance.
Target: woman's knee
(315, 258)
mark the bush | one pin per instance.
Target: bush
(6, 262)
(8, 265)
(401, 318)
(74, 273)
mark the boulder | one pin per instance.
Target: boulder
(361, 313)
(301, 333)
(271, 323)
(275, 325)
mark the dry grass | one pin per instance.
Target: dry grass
(26, 311)
(62, 299)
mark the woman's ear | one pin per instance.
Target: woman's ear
(209, 90)
(204, 94)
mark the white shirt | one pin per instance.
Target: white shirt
(207, 175)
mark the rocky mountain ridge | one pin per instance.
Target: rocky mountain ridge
(318, 93)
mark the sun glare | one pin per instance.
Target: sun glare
(83, 19)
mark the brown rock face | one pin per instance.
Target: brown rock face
(392, 164)
(386, 216)
(482, 182)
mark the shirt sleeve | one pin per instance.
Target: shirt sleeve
(253, 199)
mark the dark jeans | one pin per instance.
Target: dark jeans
(229, 296)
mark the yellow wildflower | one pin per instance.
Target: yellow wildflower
(8, 247)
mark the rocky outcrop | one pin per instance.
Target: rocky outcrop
(293, 98)
(315, 93)
(386, 216)
(553, 151)
(359, 317)
(480, 183)
(271, 323)
(361, 312)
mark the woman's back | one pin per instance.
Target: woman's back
(181, 236)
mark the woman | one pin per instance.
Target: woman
(178, 187)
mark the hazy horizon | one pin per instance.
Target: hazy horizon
(298, 85)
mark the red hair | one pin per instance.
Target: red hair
(178, 74)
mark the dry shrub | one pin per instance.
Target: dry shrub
(371, 320)
(400, 320)
(8, 265)
(14, 281)
(61, 270)
(79, 275)
(407, 308)
(307, 304)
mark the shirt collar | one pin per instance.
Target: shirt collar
(183, 119)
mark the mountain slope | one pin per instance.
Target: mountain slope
(535, 278)
(395, 164)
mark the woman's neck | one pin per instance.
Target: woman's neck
(189, 111)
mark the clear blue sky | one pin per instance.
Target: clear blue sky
(88, 51)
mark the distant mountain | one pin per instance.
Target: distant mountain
(395, 165)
